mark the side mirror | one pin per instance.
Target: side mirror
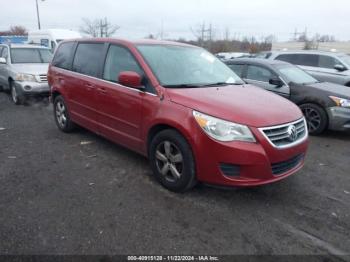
(276, 82)
(130, 79)
(340, 68)
(2, 60)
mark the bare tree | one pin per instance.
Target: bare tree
(204, 34)
(98, 27)
(15, 30)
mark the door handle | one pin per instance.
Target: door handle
(90, 86)
(102, 90)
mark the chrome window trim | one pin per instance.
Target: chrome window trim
(299, 141)
(106, 81)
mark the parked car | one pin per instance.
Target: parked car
(182, 107)
(23, 70)
(324, 66)
(231, 55)
(51, 37)
(325, 105)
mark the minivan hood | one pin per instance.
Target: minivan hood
(33, 69)
(244, 104)
(332, 89)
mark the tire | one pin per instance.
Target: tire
(172, 161)
(15, 97)
(316, 118)
(61, 114)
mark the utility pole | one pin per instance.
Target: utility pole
(37, 13)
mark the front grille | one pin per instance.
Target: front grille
(43, 78)
(283, 167)
(286, 135)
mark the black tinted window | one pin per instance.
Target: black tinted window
(238, 69)
(119, 59)
(87, 57)
(259, 73)
(307, 60)
(286, 58)
(328, 62)
(0, 50)
(63, 55)
(300, 59)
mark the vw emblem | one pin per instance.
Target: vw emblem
(292, 133)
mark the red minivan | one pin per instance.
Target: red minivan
(193, 117)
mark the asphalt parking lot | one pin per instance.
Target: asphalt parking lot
(80, 194)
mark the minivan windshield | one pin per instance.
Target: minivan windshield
(295, 74)
(186, 66)
(30, 55)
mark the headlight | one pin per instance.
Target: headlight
(25, 77)
(223, 130)
(342, 102)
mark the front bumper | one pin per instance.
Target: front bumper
(339, 118)
(32, 88)
(251, 164)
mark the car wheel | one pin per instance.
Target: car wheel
(61, 114)
(15, 97)
(316, 118)
(172, 161)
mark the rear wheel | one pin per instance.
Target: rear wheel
(172, 161)
(61, 114)
(316, 118)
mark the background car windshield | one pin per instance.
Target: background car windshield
(295, 74)
(30, 55)
(179, 65)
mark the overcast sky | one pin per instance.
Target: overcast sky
(138, 18)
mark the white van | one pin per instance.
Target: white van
(51, 37)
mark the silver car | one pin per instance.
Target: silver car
(23, 70)
(324, 66)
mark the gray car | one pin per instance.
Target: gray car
(23, 70)
(325, 105)
(324, 66)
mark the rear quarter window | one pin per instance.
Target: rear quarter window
(63, 56)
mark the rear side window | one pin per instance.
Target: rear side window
(238, 69)
(119, 59)
(307, 60)
(289, 58)
(63, 56)
(87, 59)
(300, 59)
(259, 73)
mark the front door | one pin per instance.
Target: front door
(260, 76)
(120, 107)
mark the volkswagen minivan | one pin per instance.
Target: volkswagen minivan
(180, 106)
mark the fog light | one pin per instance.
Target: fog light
(27, 88)
(229, 169)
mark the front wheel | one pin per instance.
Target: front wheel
(316, 118)
(172, 161)
(15, 97)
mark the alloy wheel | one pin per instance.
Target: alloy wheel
(14, 95)
(169, 161)
(313, 118)
(61, 114)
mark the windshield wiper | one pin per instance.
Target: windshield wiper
(182, 86)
